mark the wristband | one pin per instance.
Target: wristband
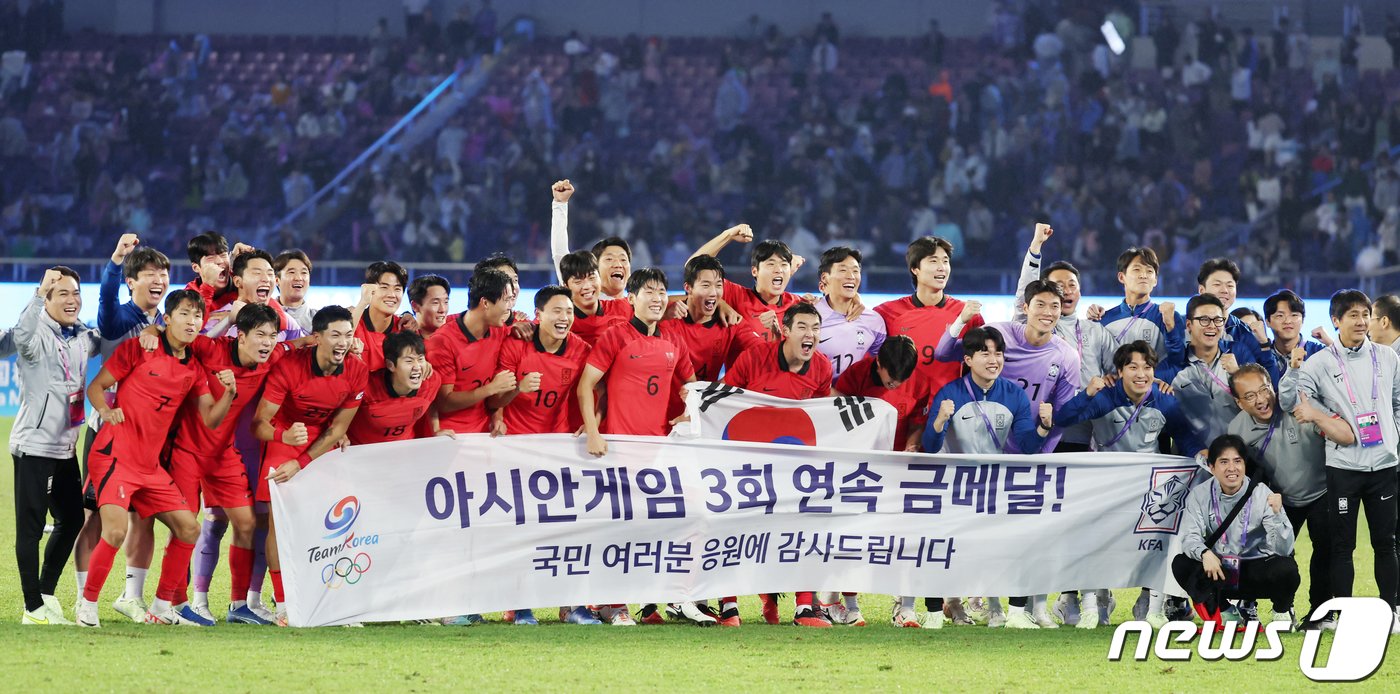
(303, 460)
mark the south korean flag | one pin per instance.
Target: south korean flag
(719, 411)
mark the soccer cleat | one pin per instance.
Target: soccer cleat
(37, 618)
(203, 611)
(651, 615)
(1066, 607)
(1178, 609)
(87, 614)
(770, 607)
(1043, 619)
(690, 611)
(902, 616)
(508, 616)
(1249, 609)
(1328, 623)
(977, 608)
(1156, 619)
(953, 610)
(183, 616)
(730, 618)
(564, 614)
(854, 618)
(526, 618)
(1087, 620)
(134, 609)
(808, 618)
(933, 620)
(835, 612)
(55, 610)
(268, 615)
(1228, 615)
(996, 619)
(1020, 619)
(622, 618)
(673, 610)
(581, 615)
(245, 615)
(1140, 607)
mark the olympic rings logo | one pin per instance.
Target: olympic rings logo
(345, 571)
(341, 516)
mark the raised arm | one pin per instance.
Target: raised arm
(740, 233)
(950, 345)
(559, 223)
(1030, 268)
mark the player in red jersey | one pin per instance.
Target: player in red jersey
(592, 316)
(772, 265)
(892, 378)
(644, 367)
(547, 369)
(125, 469)
(376, 313)
(428, 296)
(926, 314)
(712, 344)
(399, 395)
(328, 388)
(466, 351)
(211, 260)
(253, 280)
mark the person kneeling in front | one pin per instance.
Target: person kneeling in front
(1236, 541)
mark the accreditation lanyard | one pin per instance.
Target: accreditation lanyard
(1375, 376)
(1215, 508)
(1210, 371)
(63, 360)
(1136, 317)
(1129, 424)
(967, 385)
(1268, 436)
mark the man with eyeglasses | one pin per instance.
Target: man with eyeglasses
(1204, 367)
(1291, 448)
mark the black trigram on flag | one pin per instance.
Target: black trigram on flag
(715, 392)
(854, 410)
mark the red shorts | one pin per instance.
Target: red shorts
(220, 478)
(118, 483)
(274, 454)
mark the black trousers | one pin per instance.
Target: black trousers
(1348, 492)
(1314, 515)
(45, 486)
(1275, 578)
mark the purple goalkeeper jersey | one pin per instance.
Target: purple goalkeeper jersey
(1048, 373)
(847, 342)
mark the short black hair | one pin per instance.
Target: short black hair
(768, 248)
(396, 343)
(328, 315)
(487, 285)
(254, 315)
(975, 340)
(642, 277)
(496, 261)
(280, 262)
(545, 293)
(1249, 368)
(899, 357)
(240, 264)
(1143, 253)
(800, 308)
(577, 265)
(1037, 287)
(209, 243)
(609, 242)
(1295, 302)
(1345, 299)
(1225, 442)
(922, 248)
(699, 264)
(1123, 356)
(418, 290)
(183, 296)
(1242, 311)
(379, 268)
(1200, 300)
(1388, 306)
(1214, 265)
(834, 255)
(1059, 265)
(142, 259)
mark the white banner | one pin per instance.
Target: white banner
(436, 527)
(722, 412)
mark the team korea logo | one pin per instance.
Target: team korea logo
(1165, 499)
(348, 560)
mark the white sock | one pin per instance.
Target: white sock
(1017, 609)
(254, 599)
(1038, 604)
(994, 604)
(135, 582)
(1089, 604)
(906, 601)
(851, 603)
(1154, 603)
(82, 581)
(234, 604)
(159, 606)
(201, 599)
(729, 605)
(84, 602)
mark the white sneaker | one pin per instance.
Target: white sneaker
(37, 618)
(1020, 619)
(262, 611)
(169, 616)
(953, 610)
(622, 618)
(1067, 609)
(1287, 618)
(976, 609)
(1140, 607)
(997, 619)
(835, 612)
(693, 613)
(902, 616)
(854, 618)
(1157, 619)
(55, 610)
(87, 614)
(203, 611)
(1043, 620)
(134, 609)
(933, 620)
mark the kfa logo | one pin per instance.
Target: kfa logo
(1358, 645)
(1165, 499)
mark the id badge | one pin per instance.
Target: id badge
(77, 413)
(1368, 427)
(1230, 564)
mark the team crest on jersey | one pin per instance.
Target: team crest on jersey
(1165, 499)
(1054, 371)
(860, 338)
(1001, 421)
(566, 375)
(1292, 433)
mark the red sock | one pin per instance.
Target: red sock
(174, 571)
(728, 599)
(99, 565)
(240, 564)
(276, 586)
(804, 598)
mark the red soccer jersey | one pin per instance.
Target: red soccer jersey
(387, 416)
(750, 305)
(608, 315)
(766, 371)
(712, 345)
(151, 388)
(218, 354)
(551, 409)
(910, 399)
(311, 396)
(374, 340)
(642, 372)
(465, 362)
(925, 325)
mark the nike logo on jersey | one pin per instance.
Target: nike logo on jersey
(770, 390)
(635, 356)
(823, 340)
(966, 416)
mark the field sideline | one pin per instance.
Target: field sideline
(555, 657)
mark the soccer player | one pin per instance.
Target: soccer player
(293, 270)
(845, 340)
(519, 323)
(772, 265)
(297, 430)
(1385, 326)
(1358, 380)
(465, 353)
(253, 279)
(643, 367)
(211, 260)
(1291, 451)
(1204, 367)
(984, 413)
(428, 297)
(712, 344)
(592, 317)
(399, 395)
(926, 314)
(376, 313)
(126, 471)
(54, 348)
(1138, 318)
(1284, 312)
(547, 370)
(614, 266)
